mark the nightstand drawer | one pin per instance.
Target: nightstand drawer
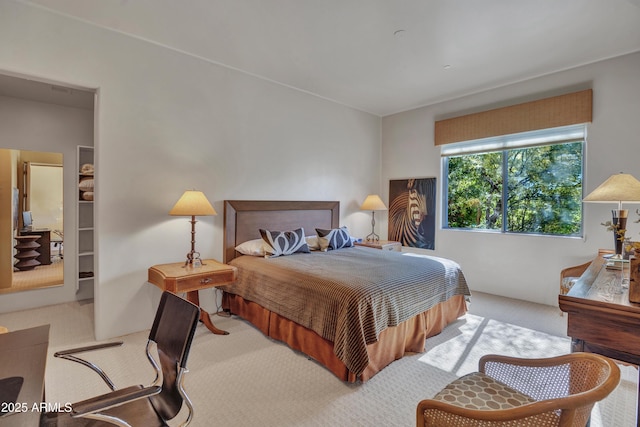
(395, 246)
(203, 281)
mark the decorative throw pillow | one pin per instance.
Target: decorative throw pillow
(284, 242)
(334, 239)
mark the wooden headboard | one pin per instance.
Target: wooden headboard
(243, 219)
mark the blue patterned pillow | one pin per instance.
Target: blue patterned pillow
(334, 239)
(284, 242)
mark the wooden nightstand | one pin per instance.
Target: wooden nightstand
(178, 278)
(385, 245)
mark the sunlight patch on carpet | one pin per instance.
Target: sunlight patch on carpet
(477, 336)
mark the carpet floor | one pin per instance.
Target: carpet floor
(246, 379)
(40, 277)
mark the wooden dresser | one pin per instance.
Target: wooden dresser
(600, 317)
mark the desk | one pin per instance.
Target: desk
(600, 321)
(24, 354)
(178, 278)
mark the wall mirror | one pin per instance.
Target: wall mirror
(31, 220)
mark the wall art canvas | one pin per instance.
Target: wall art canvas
(412, 212)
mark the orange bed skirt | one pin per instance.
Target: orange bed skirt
(393, 343)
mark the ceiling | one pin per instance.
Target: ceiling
(379, 56)
(50, 93)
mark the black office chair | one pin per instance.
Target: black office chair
(136, 406)
(57, 244)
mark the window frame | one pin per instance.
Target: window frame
(545, 137)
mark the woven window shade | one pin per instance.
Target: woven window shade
(563, 110)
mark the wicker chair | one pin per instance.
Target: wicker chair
(556, 391)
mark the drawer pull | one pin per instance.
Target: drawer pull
(206, 281)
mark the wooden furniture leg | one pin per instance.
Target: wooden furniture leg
(194, 297)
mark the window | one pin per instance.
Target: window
(524, 183)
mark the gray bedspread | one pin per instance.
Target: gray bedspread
(348, 296)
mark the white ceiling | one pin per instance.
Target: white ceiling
(50, 93)
(346, 50)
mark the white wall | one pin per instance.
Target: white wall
(36, 126)
(167, 122)
(528, 267)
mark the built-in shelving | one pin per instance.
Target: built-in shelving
(85, 266)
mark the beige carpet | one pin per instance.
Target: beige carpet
(245, 379)
(40, 277)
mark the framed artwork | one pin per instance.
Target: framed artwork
(412, 212)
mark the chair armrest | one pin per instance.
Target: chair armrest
(87, 348)
(113, 399)
(70, 355)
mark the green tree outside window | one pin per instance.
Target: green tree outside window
(543, 190)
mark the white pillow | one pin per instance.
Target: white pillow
(312, 242)
(254, 247)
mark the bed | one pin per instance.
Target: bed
(354, 310)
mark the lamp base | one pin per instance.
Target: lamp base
(373, 237)
(193, 259)
(619, 221)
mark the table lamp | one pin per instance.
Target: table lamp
(373, 203)
(618, 188)
(192, 203)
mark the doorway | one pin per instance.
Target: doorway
(38, 107)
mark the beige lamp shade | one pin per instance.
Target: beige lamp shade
(193, 203)
(373, 203)
(618, 188)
